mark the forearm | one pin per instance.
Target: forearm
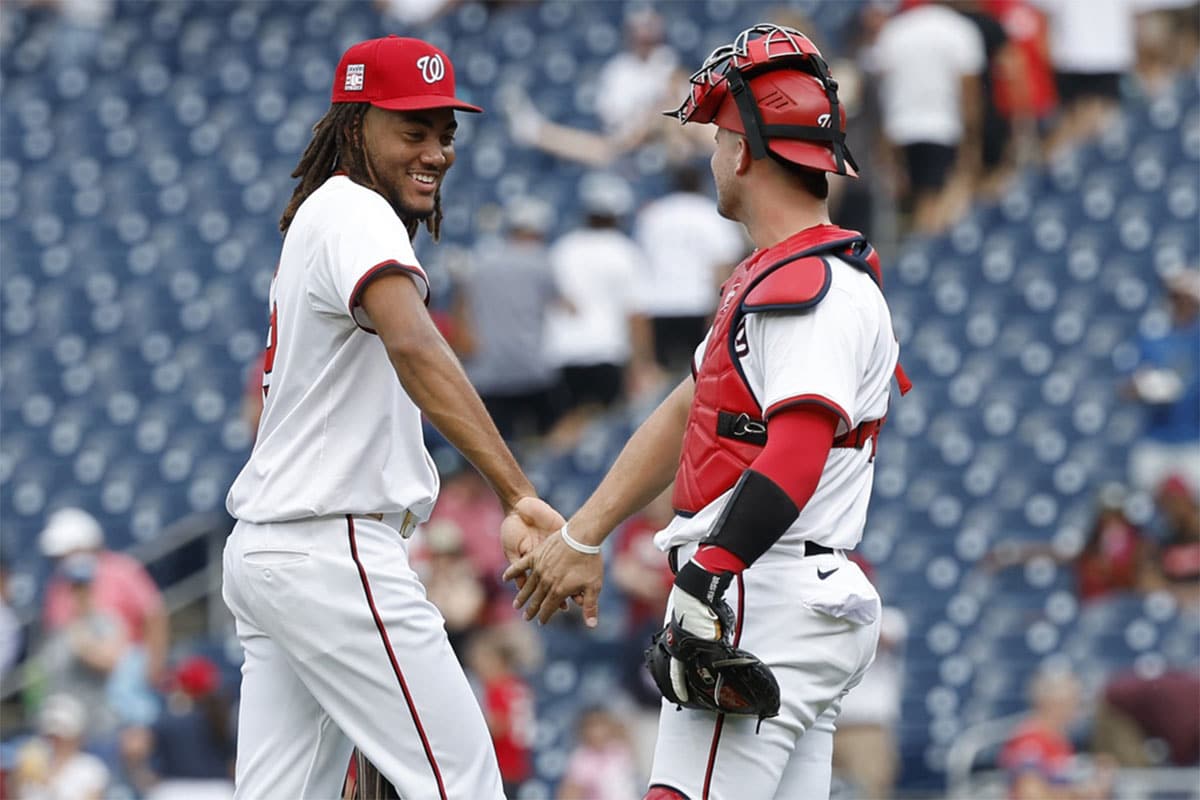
(433, 377)
(645, 467)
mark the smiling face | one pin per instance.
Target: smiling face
(408, 154)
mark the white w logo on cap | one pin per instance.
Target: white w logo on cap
(433, 69)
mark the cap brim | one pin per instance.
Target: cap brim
(423, 102)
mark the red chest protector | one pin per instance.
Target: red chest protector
(725, 428)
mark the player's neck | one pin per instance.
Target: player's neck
(776, 218)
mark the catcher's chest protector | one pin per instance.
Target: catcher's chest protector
(725, 427)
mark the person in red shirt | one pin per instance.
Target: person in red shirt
(1179, 553)
(1115, 557)
(1039, 757)
(507, 702)
(120, 586)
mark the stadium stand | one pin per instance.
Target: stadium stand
(139, 200)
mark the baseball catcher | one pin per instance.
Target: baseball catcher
(769, 444)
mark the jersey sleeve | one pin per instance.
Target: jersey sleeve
(362, 241)
(811, 356)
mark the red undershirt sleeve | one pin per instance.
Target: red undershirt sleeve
(798, 444)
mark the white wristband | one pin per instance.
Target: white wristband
(578, 546)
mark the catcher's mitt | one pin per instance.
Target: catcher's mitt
(718, 676)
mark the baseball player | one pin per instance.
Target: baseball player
(771, 447)
(342, 648)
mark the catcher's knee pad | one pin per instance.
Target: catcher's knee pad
(660, 792)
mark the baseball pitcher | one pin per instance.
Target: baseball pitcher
(342, 649)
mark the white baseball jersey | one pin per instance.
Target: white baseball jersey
(814, 620)
(842, 354)
(342, 647)
(338, 433)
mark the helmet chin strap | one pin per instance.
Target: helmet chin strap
(747, 107)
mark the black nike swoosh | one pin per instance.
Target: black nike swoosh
(824, 575)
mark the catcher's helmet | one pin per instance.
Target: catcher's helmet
(772, 86)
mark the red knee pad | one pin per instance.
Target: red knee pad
(660, 792)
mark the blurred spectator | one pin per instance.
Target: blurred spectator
(1150, 720)
(602, 765)
(641, 572)
(854, 202)
(407, 14)
(452, 584)
(90, 658)
(632, 89)
(1178, 560)
(1025, 92)
(506, 287)
(595, 334)
(507, 702)
(1002, 63)
(1039, 757)
(1091, 47)
(120, 586)
(467, 502)
(78, 30)
(12, 640)
(690, 250)
(865, 748)
(1155, 41)
(1115, 556)
(929, 59)
(189, 752)
(1166, 381)
(52, 766)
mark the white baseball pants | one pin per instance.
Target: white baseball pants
(342, 649)
(816, 655)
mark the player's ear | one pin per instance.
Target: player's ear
(743, 159)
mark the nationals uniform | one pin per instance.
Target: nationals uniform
(342, 647)
(791, 329)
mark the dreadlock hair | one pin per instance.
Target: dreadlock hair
(337, 144)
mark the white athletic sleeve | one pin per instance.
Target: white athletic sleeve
(813, 356)
(361, 240)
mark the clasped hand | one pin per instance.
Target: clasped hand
(552, 572)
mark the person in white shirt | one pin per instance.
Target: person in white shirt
(770, 444)
(928, 60)
(54, 766)
(342, 648)
(1092, 46)
(689, 250)
(594, 333)
(630, 90)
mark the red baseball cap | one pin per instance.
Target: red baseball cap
(398, 74)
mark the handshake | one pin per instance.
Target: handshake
(694, 659)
